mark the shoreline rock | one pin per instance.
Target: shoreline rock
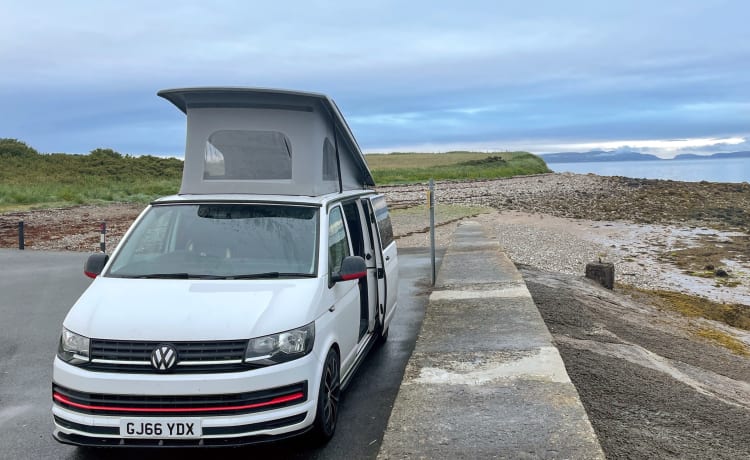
(636, 223)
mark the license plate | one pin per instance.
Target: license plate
(160, 428)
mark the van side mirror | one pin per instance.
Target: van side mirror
(352, 268)
(95, 264)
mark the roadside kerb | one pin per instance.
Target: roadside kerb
(485, 380)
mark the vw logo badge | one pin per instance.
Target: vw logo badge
(164, 357)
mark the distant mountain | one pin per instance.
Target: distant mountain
(601, 155)
(596, 155)
(692, 156)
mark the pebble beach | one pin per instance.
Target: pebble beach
(559, 222)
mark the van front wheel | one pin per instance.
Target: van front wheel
(328, 399)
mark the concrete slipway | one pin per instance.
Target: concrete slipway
(485, 380)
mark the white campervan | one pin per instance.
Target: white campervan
(237, 310)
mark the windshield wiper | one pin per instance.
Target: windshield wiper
(250, 276)
(267, 275)
(180, 276)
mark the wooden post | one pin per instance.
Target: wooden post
(601, 272)
(102, 236)
(21, 240)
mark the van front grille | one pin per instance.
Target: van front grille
(180, 405)
(192, 357)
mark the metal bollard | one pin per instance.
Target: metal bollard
(21, 242)
(431, 203)
(103, 232)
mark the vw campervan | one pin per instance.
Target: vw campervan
(235, 311)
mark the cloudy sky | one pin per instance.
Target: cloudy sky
(657, 76)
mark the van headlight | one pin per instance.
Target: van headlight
(74, 348)
(281, 347)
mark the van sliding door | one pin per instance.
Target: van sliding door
(387, 261)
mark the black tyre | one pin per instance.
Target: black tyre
(328, 399)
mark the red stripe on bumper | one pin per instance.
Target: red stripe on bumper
(280, 400)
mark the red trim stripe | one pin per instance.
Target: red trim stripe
(353, 276)
(280, 400)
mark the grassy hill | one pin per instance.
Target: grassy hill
(402, 168)
(31, 179)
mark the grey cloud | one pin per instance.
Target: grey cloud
(79, 76)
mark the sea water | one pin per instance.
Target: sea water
(711, 170)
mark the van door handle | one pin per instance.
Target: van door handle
(387, 257)
(332, 309)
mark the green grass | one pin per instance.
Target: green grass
(31, 180)
(443, 212)
(417, 218)
(404, 168)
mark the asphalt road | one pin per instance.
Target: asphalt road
(38, 288)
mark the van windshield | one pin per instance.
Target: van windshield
(220, 241)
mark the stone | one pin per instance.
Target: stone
(601, 272)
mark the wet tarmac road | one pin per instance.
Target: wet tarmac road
(38, 288)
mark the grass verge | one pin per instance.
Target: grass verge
(29, 179)
(416, 219)
(403, 168)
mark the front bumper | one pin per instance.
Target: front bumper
(83, 435)
(236, 408)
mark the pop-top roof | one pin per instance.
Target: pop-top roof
(266, 141)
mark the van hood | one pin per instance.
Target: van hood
(175, 310)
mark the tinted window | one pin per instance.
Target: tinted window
(351, 211)
(338, 244)
(247, 155)
(330, 166)
(384, 220)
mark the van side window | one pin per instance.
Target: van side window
(247, 155)
(384, 220)
(351, 211)
(338, 244)
(330, 166)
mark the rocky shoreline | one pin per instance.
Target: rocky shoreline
(659, 234)
(723, 206)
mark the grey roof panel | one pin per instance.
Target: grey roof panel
(305, 117)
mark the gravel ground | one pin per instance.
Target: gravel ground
(68, 229)
(651, 386)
